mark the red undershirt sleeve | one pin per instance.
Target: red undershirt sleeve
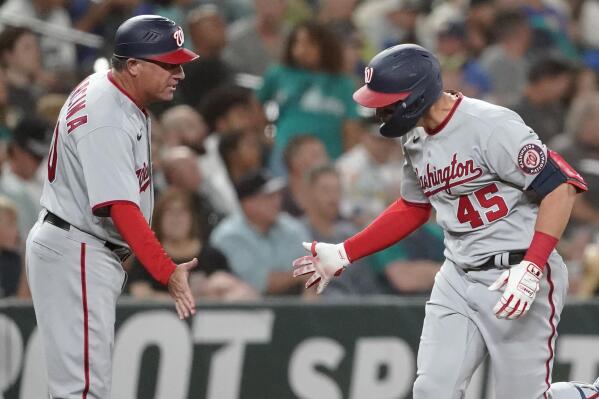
(396, 222)
(134, 229)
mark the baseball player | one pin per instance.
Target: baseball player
(503, 200)
(97, 203)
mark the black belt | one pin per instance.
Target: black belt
(500, 261)
(122, 252)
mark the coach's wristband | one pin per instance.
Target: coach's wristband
(540, 248)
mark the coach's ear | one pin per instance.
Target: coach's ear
(134, 67)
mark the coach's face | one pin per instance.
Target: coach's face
(158, 80)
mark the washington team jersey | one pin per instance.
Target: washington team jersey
(475, 171)
(100, 155)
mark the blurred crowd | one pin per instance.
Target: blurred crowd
(263, 146)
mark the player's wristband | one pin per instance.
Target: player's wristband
(540, 248)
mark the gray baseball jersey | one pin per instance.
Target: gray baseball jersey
(100, 155)
(475, 174)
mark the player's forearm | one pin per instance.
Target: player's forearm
(552, 218)
(399, 220)
(555, 209)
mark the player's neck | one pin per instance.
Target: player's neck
(128, 86)
(439, 111)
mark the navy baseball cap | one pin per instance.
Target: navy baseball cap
(152, 37)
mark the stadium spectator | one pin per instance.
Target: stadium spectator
(10, 254)
(102, 18)
(21, 60)
(20, 179)
(181, 170)
(177, 227)
(550, 28)
(324, 223)
(58, 55)
(5, 115)
(302, 154)
(240, 151)
(388, 22)
(460, 71)
(480, 22)
(226, 109)
(312, 93)
(183, 125)
(581, 149)
(209, 36)
(49, 105)
(409, 267)
(369, 176)
(256, 42)
(543, 104)
(505, 60)
(260, 242)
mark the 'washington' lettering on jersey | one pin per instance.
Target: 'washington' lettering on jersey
(475, 173)
(99, 158)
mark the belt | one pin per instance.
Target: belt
(122, 252)
(500, 261)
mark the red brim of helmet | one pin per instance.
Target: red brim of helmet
(179, 56)
(375, 99)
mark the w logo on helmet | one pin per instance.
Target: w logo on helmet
(179, 38)
(368, 72)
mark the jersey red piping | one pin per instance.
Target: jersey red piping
(553, 330)
(85, 324)
(101, 205)
(122, 90)
(447, 118)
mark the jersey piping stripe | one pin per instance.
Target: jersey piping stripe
(122, 90)
(553, 331)
(447, 118)
(85, 324)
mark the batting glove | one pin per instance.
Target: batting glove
(521, 284)
(326, 261)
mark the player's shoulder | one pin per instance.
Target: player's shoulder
(94, 104)
(487, 118)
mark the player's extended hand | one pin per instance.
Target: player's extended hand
(178, 288)
(521, 285)
(326, 261)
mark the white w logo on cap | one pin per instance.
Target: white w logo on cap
(179, 38)
(368, 72)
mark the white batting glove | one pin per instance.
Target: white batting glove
(521, 285)
(326, 261)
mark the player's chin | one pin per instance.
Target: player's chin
(168, 94)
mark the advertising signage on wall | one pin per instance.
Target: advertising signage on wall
(354, 349)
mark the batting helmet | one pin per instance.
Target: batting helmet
(406, 75)
(152, 37)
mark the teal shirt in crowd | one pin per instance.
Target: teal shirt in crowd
(309, 102)
(426, 243)
(252, 256)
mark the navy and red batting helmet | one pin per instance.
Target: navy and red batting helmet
(407, 76)
(152, 37)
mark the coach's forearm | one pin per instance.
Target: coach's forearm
(555, 209)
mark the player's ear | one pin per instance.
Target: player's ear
(133, 66)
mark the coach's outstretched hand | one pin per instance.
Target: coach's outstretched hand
(178, 288)
(521, 285)
(326, 261)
